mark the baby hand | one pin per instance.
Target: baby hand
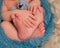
(34, 5)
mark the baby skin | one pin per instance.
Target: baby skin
(13, 32)
(30, 23)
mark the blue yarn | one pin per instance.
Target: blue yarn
(0, 10)
(5, 42)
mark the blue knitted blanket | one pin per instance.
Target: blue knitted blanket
(5, 42)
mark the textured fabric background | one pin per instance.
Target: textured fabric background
(54, 41)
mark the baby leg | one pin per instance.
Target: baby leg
(9, 30)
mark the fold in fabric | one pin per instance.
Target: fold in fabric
(5, 42)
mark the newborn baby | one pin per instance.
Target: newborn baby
(17, 32)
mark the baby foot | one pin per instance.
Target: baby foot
(17, 21)
(39, 32)
(41, 28)
(22, 32)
